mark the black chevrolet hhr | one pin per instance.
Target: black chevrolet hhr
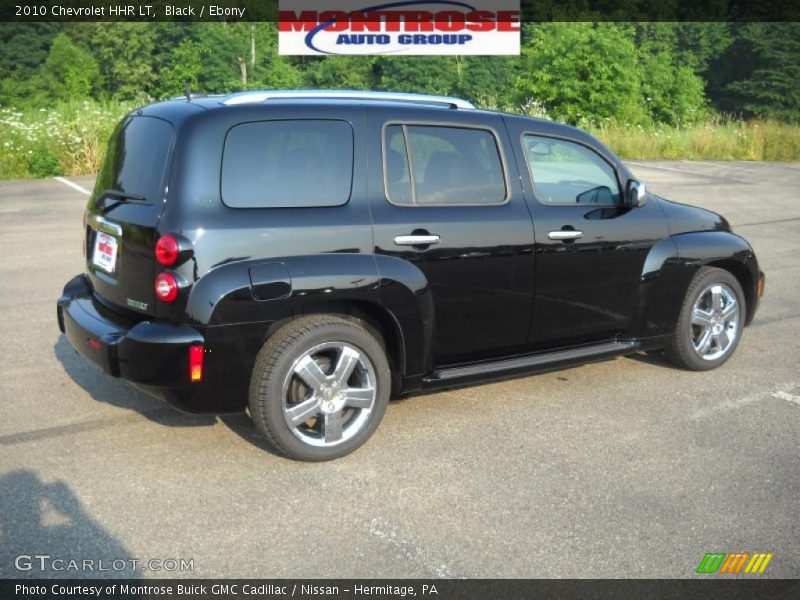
(306, 255)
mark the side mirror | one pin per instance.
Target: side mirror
(636, 194)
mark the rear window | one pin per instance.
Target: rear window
(286, 164)
(136, 158)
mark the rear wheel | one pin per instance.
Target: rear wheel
(710, 322)
(319, 388)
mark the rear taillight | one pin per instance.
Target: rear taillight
(196, 362)
(167, 250)
(171, 250)
(166, 287)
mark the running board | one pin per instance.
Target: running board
(531, 361)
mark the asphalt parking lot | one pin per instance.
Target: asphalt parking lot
(624, 468)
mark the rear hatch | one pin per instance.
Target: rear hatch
(124, 211)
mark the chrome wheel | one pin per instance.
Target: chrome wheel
(715, 321)
(329, 394)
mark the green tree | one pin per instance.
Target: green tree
(270, 69)
(700, 43)
(221, 46)
(431, 74)
(70, 72)
(672, 90)
(183, 69)
(342, 72)
(125, 53)
(486, 80)
(673, 93)
(759, 74)
(23, 50)
(581, 72)
(24, 47)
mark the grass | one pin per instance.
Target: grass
(70, 138)
(715, 140)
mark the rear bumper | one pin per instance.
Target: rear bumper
(148, 353)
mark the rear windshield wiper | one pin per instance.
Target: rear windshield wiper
(120, 198)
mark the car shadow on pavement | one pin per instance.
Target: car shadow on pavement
(243, 426)
(655, 358)
(116, 392)
(41, 523)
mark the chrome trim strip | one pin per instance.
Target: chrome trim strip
(252, 97)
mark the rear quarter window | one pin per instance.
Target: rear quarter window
(287, 164)
(136, 158)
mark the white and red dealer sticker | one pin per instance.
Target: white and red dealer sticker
(399, 28)
(105, 252)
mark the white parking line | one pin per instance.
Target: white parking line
(699, 162)
(73, 185)
(787, 396)
(778, 392)
(673, 169)
(407, 548)
(656, 167)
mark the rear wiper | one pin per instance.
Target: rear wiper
(121, 198)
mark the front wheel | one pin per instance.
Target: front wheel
(710, 323)
(319, 388)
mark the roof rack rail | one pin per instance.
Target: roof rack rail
(255, 97)
(189, 96)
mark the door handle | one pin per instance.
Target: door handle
(416, 240)
(565, 234)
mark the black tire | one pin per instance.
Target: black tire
(274, 382)
(681, 350)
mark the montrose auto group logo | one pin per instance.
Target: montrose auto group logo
(400, 28)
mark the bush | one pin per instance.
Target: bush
(67, 139)
(587, 73)
(42, 162)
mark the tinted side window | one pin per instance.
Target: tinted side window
(282, 164)
(450, 165)
(398, 177)
(569, 173)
